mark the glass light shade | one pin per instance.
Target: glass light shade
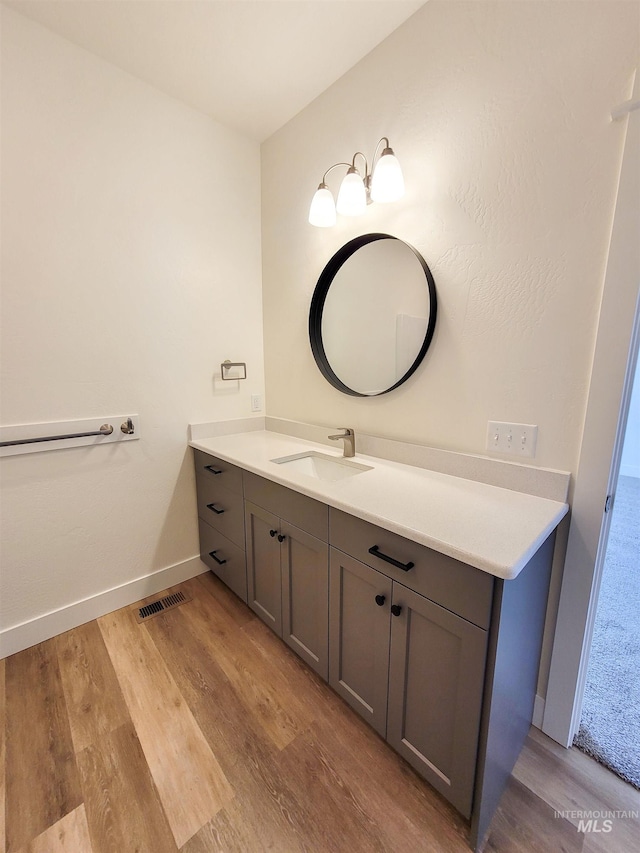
(352, 197)
(323, 209)
(387, 183)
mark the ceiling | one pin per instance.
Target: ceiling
(250, 64)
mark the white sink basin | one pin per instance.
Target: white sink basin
(322, 466)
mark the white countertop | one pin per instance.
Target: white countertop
(494, 529)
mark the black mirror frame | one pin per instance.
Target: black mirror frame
(317, 306)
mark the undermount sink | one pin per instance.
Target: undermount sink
(322, 466)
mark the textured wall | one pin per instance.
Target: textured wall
(500, 115)
(131, 269)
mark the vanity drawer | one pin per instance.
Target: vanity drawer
(460, 588)
(223, 473)
(224, 558)
(303, 512)
(221, 508)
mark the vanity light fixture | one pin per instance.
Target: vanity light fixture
(383, 183)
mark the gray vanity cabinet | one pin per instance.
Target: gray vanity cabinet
(412, 669)
(263, 565)
(288, 567)
(305, 596)
(221, 520)
(439, 657)
(436, 679)
(359, 637)
(225, 559)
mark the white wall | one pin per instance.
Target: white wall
(130, 270)
(500, 116)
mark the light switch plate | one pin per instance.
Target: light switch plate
(512, 439)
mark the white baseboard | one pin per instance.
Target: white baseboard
(27, 634)
(538, 712)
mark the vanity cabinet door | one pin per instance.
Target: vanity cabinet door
(305, 596)
(436, 678)
(263, 565)
(360, 598)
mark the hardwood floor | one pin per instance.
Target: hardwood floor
(198, 730)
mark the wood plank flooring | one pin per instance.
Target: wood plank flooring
(199, 731)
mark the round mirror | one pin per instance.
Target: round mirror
(372, 315)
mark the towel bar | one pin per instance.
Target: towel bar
(105, 429)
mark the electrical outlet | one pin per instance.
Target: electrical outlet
(512, 439)
(256, 402)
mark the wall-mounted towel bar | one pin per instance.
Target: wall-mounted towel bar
(25, 438)
(105, 429)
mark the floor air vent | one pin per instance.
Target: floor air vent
(175, 599)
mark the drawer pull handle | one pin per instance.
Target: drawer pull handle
(380, 600)
(212, 507)
(217, 559)
(212, 469)
(377, 553)
(272, 533)
(281, 538)
(396, 609)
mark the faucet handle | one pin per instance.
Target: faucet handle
(347, 432)
(349, 437)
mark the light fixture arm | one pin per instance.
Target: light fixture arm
(375, 153)
(366, 163)
(352, 165)
(366, 178)
(335, 166)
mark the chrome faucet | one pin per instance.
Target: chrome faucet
(349, 438)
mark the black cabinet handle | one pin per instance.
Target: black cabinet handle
(217, 559)
(380, 600)
(378, 553)
(212, 507)
(272, 533)
(212, 469)
(396, 609)
(281, 538)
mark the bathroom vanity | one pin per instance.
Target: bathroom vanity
(420, 597)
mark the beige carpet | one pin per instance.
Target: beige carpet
(610, 725)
